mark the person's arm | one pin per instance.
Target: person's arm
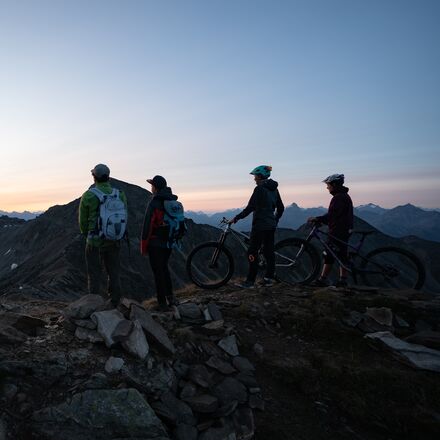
(251, 206)
(83, 215)
(279, 207)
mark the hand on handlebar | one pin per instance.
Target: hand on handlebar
(313, 221)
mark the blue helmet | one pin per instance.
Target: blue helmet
(262, 170)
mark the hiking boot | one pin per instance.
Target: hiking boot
(319, 283)
(245, 285)
(341, 283)
(268, 282)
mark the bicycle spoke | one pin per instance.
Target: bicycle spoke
(295, 262)
(392, 268)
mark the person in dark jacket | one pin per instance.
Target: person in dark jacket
(339, 219)
(154, 241)
(267, 208)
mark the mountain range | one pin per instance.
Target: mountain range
(401, 221)
(45, 256)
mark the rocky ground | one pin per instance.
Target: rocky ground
(270, 363)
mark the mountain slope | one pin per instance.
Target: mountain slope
(49, 252)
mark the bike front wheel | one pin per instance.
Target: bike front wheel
(296, 261)
(394, 268)
(209, 265)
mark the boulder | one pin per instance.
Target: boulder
(136, 343)
(203, 403)
(113, 364)
(100, 415)
(107, 321)
(416, 355)
(200, 375)
(229, 345)
(382, 315)
(181, 410)
(155, 332)
(214, 311)
(122, 330)
(220, 365)
(230, 389)
(190, 310)
(84, 307)
(242, 364)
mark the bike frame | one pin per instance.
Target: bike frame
(355, 250)
(227, 230)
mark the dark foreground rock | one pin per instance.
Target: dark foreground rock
(100, 414)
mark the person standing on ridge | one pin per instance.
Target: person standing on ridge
(103, 220)
(339, 219)
(267, 208)
(155, 240)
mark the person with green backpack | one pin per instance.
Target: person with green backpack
(103, 220)
(162, 229)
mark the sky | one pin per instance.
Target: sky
(201, 92)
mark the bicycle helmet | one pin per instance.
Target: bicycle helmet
(337, 179)
(262, 170)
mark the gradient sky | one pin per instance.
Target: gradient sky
(203, 91)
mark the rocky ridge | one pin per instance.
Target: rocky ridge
(281, 362)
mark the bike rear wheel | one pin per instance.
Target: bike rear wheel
(296, 261)
(209, 265)
(392, 267)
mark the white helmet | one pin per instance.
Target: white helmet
(335, 178)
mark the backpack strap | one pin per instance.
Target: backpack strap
(98, 193)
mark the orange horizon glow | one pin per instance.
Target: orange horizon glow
(387, 194)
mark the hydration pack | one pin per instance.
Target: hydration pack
(112, 218)
(174, 218)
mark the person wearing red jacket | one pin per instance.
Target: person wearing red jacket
(339, 219)
(154, 241)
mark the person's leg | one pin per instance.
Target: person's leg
(157, 258)
(269, 253)
(255, 242)
(93, 264)
(110, 256)
(171, 299)
(327, 267)
(342, 254)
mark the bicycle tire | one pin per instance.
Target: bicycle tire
(392, 267)
(302, 270)
(199, 270)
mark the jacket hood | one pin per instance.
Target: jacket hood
(340, 190)
(165, 194)
(270, 184)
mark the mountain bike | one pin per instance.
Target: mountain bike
(386, 267)
(211, 265)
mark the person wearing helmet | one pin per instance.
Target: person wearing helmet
(339, 219)
(267, 208)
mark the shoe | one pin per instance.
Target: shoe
(245, 285)
(268, 282)
(319, 283)
(341, 283)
